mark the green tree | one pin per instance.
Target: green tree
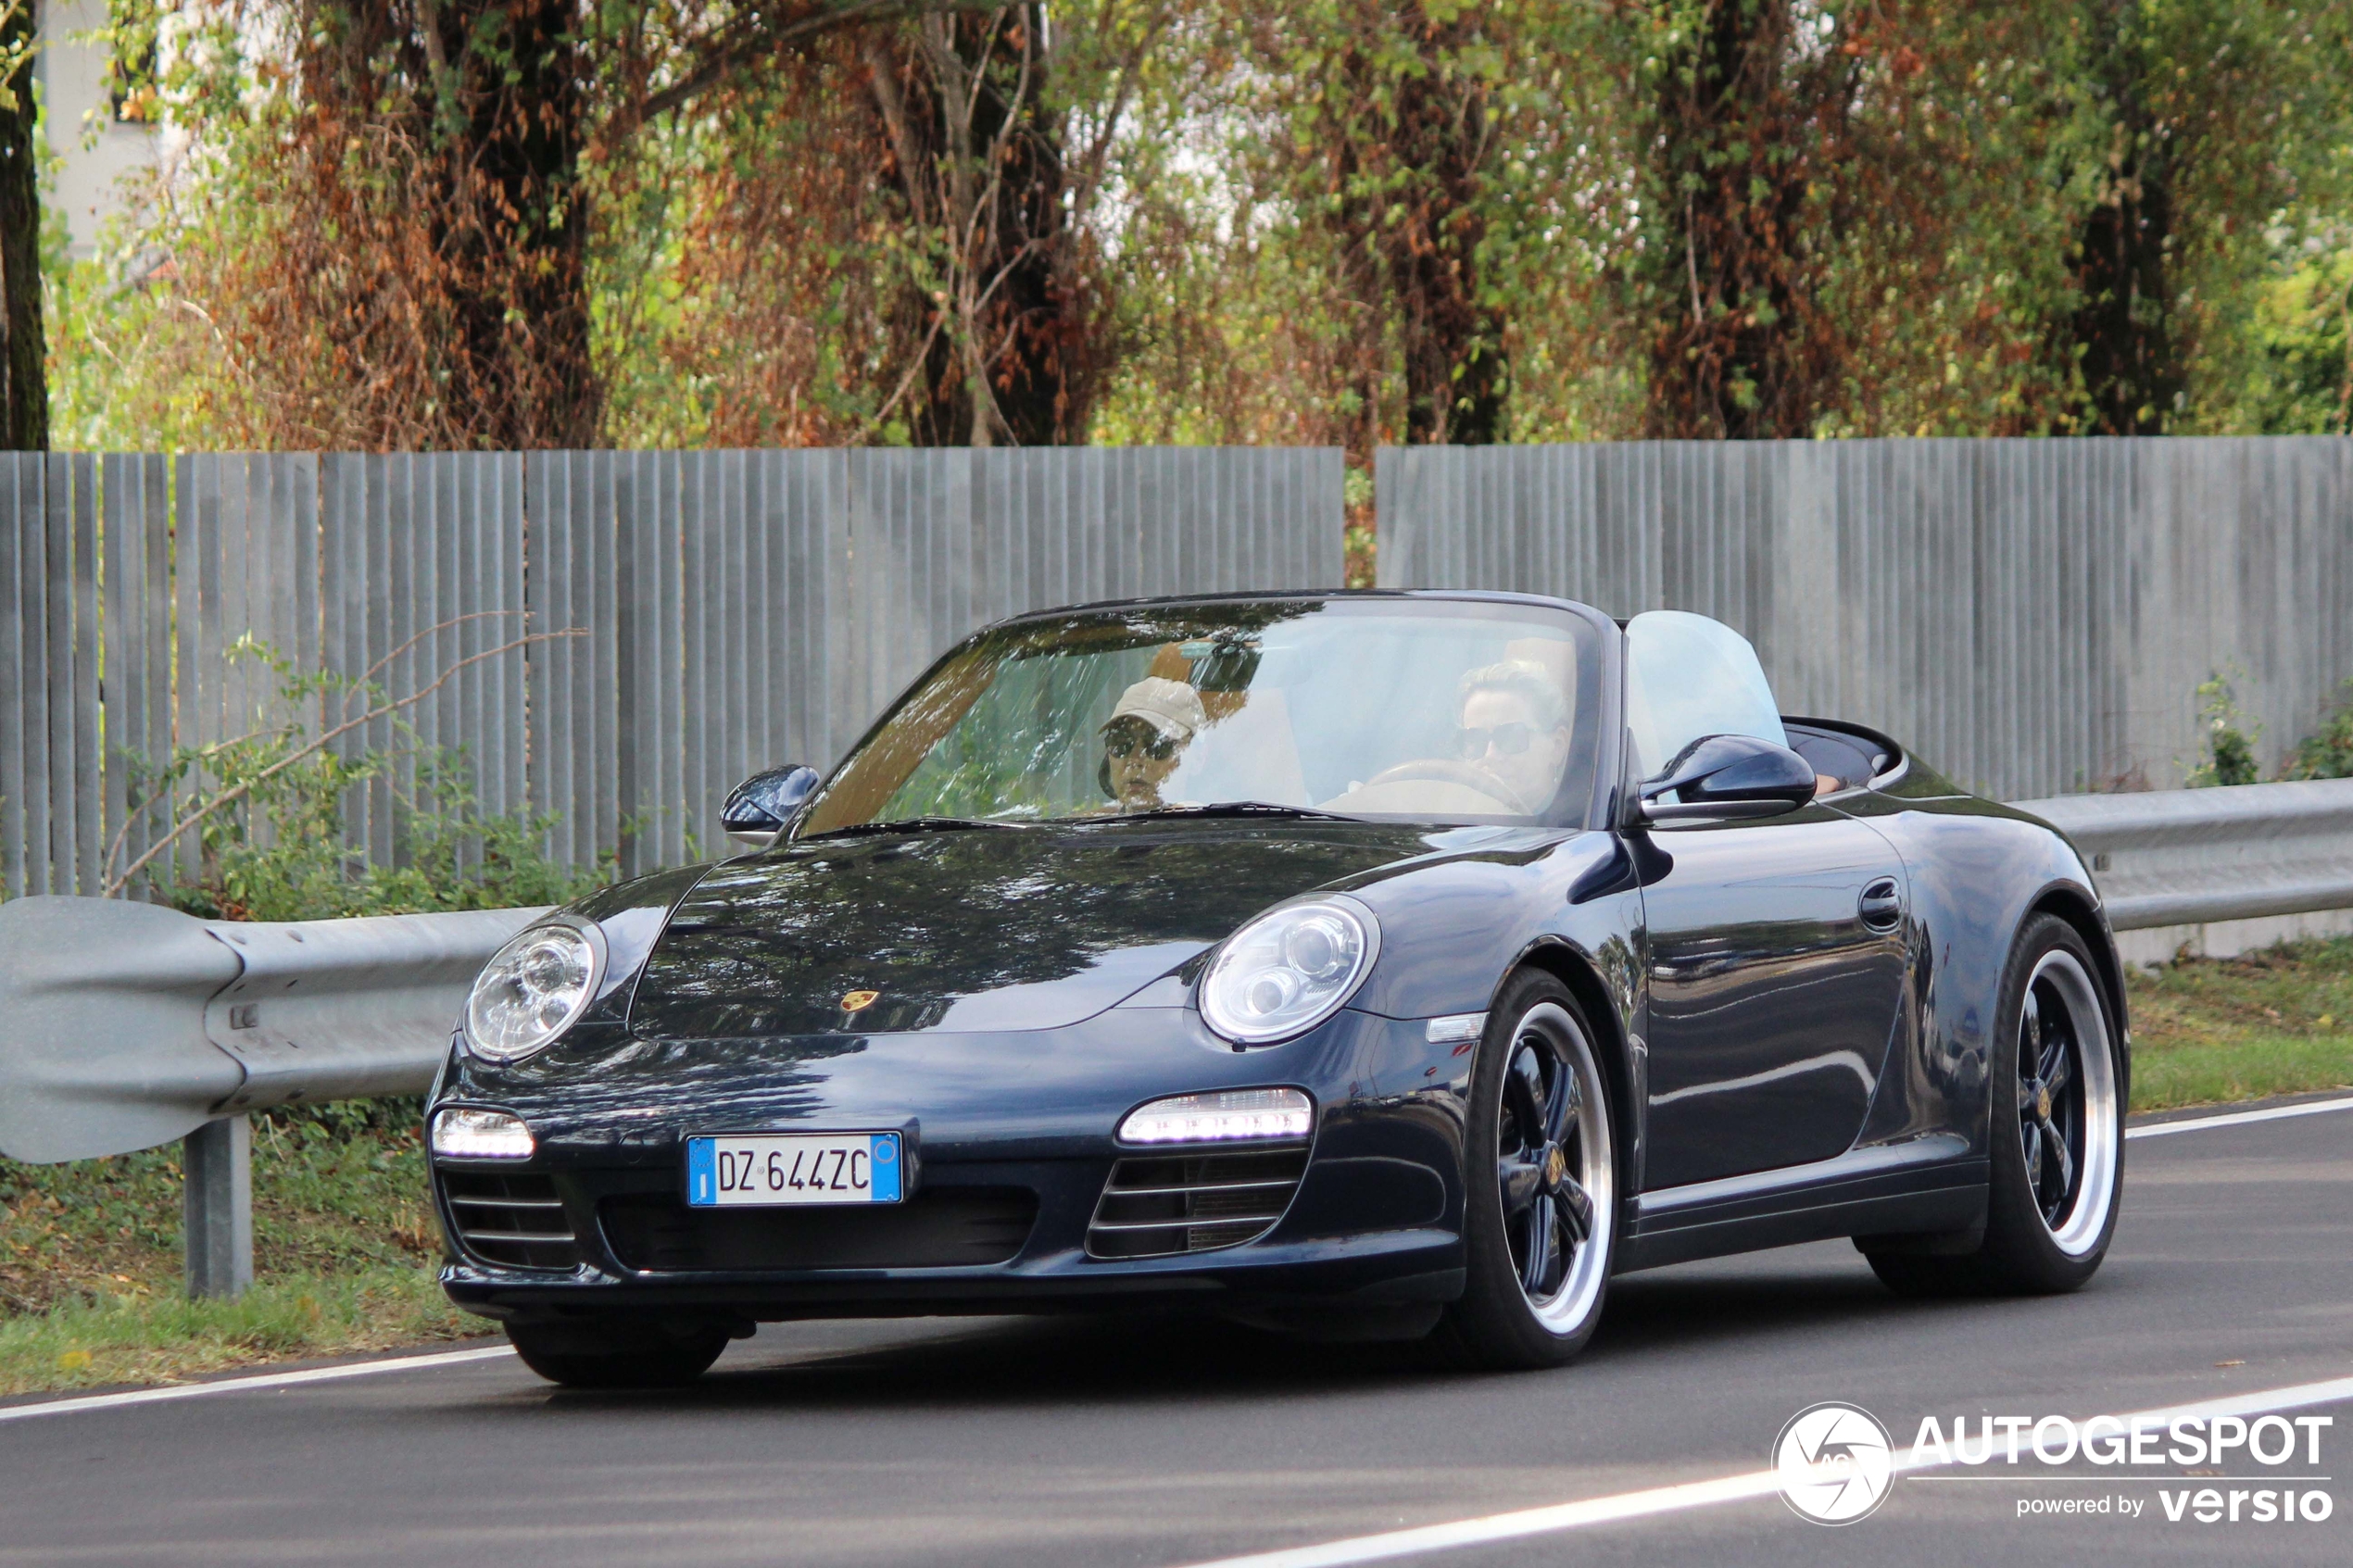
(2191, 123)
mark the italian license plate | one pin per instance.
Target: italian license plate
(760, 1171)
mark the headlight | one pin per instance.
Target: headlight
(1287, 972)
(533, 989)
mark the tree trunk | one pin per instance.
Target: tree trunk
(1455, 374)
(521, 232)
(1406, 165)
(2131, 360)
(24, 376)
(484, 247)
(1730, 351)
(975, 158)
(2122, 336)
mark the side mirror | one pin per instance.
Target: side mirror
(763, 804)
(1729, 776)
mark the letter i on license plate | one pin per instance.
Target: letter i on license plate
(761, 1169)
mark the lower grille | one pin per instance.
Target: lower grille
(1162, 1203)
(938, 1228)
(510, 1218)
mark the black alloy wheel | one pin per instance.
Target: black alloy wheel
(2050, 1099)
(1541, 1235)
(2057, 1145)
(1548, 1214)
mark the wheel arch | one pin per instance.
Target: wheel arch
(2071, 905)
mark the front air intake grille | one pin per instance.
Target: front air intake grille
(1163, 1203)
(510, 1218)
(938, 1228)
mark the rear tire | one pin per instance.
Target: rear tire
(1539, 1176)
(2057, 1091)
(618, 1355)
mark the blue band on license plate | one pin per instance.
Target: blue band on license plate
(764, 1170)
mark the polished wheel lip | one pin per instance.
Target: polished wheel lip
(1574, 1169)
(2067, 1091)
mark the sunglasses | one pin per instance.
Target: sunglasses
(1127, 740)
(1505, 740)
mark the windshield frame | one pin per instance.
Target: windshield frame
(1596, 810)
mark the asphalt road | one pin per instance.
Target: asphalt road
(1020, 1442)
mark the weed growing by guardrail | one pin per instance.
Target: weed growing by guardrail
(2226, 747)
(2227, 744)
(2327, 752)
(264, 812)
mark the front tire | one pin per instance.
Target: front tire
(618, 1355)
(1540, 1171)
(2057, 1134)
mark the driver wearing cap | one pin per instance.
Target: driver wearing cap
(1144, 739)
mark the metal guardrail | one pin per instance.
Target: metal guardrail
(125, 1025)
(2191, 857)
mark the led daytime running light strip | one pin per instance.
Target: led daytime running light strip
(1227, 1116)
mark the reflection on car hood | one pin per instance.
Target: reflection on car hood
(979, 930)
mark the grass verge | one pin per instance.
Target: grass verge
(2207, 1031)
(90, 1289)
(164, 1337)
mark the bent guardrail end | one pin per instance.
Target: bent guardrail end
(103, 1048)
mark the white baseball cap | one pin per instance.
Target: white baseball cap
(1170, 707)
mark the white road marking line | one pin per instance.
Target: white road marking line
(2239, 1118)
(1392, 1544)
(259, 1380)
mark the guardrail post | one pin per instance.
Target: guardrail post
(216, 1206)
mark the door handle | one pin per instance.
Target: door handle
(1881, 904)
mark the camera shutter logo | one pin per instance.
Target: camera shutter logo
(1836, 1462)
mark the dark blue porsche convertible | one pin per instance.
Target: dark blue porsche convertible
(1364, 965)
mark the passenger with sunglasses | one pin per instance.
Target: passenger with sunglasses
(1515, 730)
(1145, 738)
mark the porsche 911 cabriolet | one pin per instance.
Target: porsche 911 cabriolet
(1358, 965)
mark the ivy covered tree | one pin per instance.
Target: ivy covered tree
(395, 201)
(24, 382)
(1397, 129)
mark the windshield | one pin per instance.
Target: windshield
(1423, 710)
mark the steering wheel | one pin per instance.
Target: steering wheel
(1440, 770)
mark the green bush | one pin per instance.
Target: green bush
(2327, 753)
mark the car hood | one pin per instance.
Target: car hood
(980, 929)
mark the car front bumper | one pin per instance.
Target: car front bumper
(1375, 1221)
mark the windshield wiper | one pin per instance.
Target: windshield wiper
(1237, 809)
(910, 824)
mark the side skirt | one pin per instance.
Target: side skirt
(1923, 1186)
